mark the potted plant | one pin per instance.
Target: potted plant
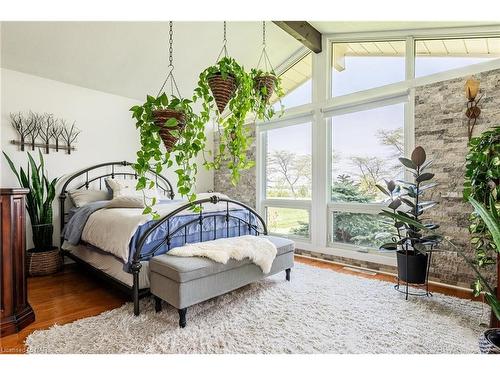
(173, 122)
(405, 208)
(482, 183)
(265, 85)
(44, 258)
(489, 342)
(228, 80)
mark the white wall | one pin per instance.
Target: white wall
(108, 131)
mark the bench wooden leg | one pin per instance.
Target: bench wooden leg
(157, 304)
(287, 272)
(182, 317)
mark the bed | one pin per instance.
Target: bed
(117, 243)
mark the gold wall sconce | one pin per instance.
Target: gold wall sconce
(473, 111)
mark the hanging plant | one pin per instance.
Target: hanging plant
(266, 82)
(265, 85)
(227, 84)
(169, 120)
(234, 133)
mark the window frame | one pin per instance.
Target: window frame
(324, 106)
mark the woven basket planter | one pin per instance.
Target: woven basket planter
(42, 263)
(222, 89)
(489, 341)
(269, 82)
(161, 116)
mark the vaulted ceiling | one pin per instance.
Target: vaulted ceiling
(130, 58)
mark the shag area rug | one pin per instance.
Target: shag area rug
(319, 311)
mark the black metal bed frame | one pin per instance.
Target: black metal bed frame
(256, 227)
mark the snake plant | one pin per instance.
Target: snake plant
(38, 200)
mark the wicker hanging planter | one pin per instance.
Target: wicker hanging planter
(222, 89)
(161, 116)
(267, 81)
(42, 263)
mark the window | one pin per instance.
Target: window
(327, 197)
(289, 162)
(288, 221)
(297, 85)
(365, 150)
(362, 66)
(438, 55)
(365, 231)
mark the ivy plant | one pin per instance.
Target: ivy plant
(191, 140)
(234, 133)
(482, 174)
(263, 108)
(234, 130)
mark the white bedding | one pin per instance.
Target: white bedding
(112, 229)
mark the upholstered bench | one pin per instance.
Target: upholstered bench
(185, 281)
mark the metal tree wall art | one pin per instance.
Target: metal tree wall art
(44, 131)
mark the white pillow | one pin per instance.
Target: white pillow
(126, 202)
(126, 187)
(81, 197)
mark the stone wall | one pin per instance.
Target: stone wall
(246, 189)
(441, 128)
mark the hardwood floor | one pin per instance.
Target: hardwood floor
(72, 295)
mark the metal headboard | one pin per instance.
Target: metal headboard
(162, 183)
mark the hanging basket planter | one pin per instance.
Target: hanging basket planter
(267, 81)
(223, 89)
(161, 117)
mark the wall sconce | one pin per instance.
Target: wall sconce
(473, 111)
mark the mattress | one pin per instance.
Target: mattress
(108, 264)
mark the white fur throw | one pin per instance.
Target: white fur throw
(259, 250)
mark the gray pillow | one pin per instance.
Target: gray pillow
(81, 197)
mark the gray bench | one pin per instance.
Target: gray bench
(185, 281)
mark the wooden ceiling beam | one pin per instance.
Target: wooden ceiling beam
(303, 32)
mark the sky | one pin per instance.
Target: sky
(354, 134)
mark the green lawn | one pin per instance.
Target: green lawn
(283, 220)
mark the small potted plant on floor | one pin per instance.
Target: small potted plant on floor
(406, 207)
(44, 258)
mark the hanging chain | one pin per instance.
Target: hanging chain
(171, 49)
(224, 42)
(264, 58)
(170, 76)
(264, 33)
(225, 33)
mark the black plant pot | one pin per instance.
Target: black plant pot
(412, 267)
(489, 341)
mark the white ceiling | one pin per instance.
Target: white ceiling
(130, 58)
(340, 27)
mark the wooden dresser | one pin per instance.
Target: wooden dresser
(16, 312)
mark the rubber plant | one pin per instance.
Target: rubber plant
(482, 183)
(185, 139)
(234, 132)
(410, 194)
(38, 200)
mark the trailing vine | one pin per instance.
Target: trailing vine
(233, 131)
(263, 108)
(191, 140)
